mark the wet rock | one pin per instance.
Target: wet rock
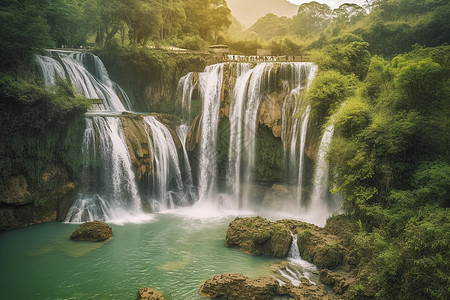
(16, 191)
(305, 291)
(238, 286)
(259, 236)
(339, 283)
(146, 293)
(92, 231)
(275, 197)
(317, 245)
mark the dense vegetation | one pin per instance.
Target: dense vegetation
(42, 127)
(391, 154)
(383, 82)
(391, 27)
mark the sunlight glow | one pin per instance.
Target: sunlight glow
(332, 3)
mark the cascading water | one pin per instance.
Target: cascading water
(183, 131)
(173, 185)
(252, 84)
(167, 181)
(112, 193)
(236, 126)
(75, 66)
(186, 89)
(211, 90)
(318, 208)
(304, 126)
(295, 119)
(299, 268)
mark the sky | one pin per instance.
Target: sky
(330, 3)
(249, 11)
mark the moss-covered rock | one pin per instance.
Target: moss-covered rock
(259, 236)
(317, 245)
(146, 293)
(238, 286)
(95, 231)
(340, 283)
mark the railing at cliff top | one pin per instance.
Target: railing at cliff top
(266, 58)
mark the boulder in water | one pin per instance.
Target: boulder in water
(96, 231)
(146, 293)
(259, 236)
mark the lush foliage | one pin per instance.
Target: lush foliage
(41, 127)
(390, 151)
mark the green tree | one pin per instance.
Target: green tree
(172, 18)
(207, 18)
(311, 18)
(271, 26)
(66, 21)
(23, 30)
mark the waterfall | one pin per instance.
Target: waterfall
(306, 269)
(254, 94)
(295, 116)
(304, 126)
(51, 70)
(211, 91)
(189, 189)
(253, 82)
(185, 90)
(318, 208)
(108, 186)
(75, 66)
(112, 193)
(236, 125)
(166, 169)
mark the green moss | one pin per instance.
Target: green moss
(223, 143)
(269, 155)
(41, 128)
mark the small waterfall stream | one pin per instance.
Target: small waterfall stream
(318, 208)
(185, 90)
(298, 269)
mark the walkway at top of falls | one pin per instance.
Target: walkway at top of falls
(264, 58)
(221, 57)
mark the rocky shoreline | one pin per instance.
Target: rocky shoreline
(259, 236)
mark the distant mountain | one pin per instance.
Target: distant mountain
(249, 11)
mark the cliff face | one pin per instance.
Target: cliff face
(23, 204)
(136, 137)
(150, 77)
(269, 146)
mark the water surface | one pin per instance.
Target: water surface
(174, 253)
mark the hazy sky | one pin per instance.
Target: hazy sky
(248, 11)
(330, 3)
